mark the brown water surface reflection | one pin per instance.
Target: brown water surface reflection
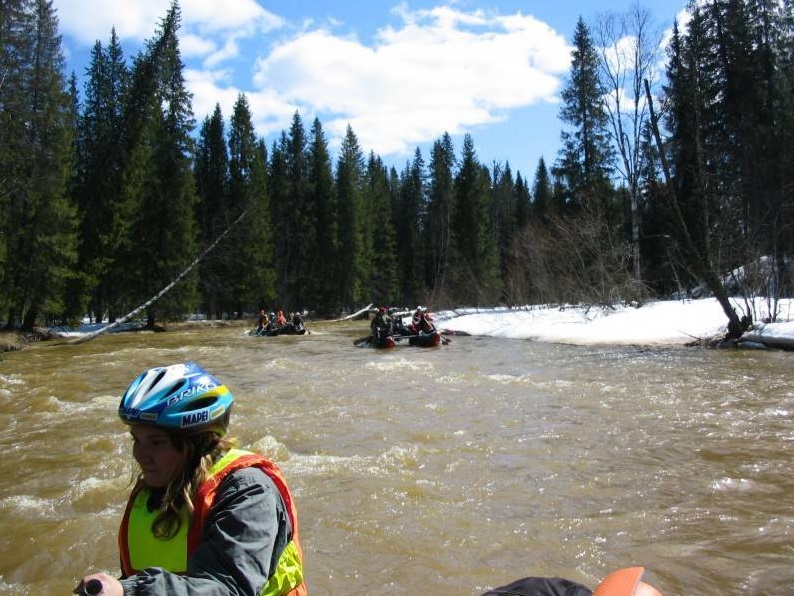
(442, 471)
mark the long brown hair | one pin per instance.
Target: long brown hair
(201, 451)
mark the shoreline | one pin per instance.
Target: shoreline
(696, 323)
(12, 341)
(16, 341)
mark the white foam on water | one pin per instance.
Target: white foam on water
(733, 485)
(29, 506)
(398, 364)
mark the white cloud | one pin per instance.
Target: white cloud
(442, 70)
(87, 22)
(193, 45)
(136, 20)
(242, 16)
(438, 70)
(270, 112)
(229, 50)
(210, 87)
(682, 19)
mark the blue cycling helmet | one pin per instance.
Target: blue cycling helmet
(180, 397)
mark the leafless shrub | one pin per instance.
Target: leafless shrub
(575, 259)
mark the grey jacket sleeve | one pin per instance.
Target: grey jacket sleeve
(244, 536)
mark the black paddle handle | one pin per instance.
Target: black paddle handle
(93, 587)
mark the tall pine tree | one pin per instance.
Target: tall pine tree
(381, 238)
(542, 194)
(440, 204)
(584, 163)
(408, 219)
(211, 170)
(164, 233)
(354, 261)
(294, 233)
(322, 292)
(105, 216)
(250, 275)
(38, 220)
(475, 274)
(503, 215)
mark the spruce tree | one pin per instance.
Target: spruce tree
(105, 217)
(302, 219)
(516, 252)
(691, 92)
(503, 215)
(784, 98)
(16, 52)
(522, 199)
(692, 200)
(211, 170)
(747, 36)
(436, 230)
(323, 292)
(383, 282)
(250, 274)
(475, 272)
(279, 187)
(39, 219)
(354, 262)
(294, 232)
(584, 163)
(164, 232)
(542, 193)
(408, 219)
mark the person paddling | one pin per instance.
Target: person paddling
(261, 323)
(381, 325)
(203, 517)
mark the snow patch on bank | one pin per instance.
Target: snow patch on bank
(659, 323)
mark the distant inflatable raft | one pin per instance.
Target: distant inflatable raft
(422, 340)
(288, 329)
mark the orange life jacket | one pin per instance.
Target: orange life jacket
(288, 577)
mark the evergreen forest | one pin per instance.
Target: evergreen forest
(666, 180)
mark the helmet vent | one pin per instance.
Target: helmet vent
(200, 404)
(158, 378)
(173, 389)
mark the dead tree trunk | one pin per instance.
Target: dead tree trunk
(699, 262)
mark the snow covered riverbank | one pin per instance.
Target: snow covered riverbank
(660, 323)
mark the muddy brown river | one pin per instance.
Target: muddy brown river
(439, 471)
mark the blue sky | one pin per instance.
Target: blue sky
(400, 73)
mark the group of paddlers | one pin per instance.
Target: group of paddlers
(384, 324)
(276, 321)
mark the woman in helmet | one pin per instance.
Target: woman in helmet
(203, 517)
